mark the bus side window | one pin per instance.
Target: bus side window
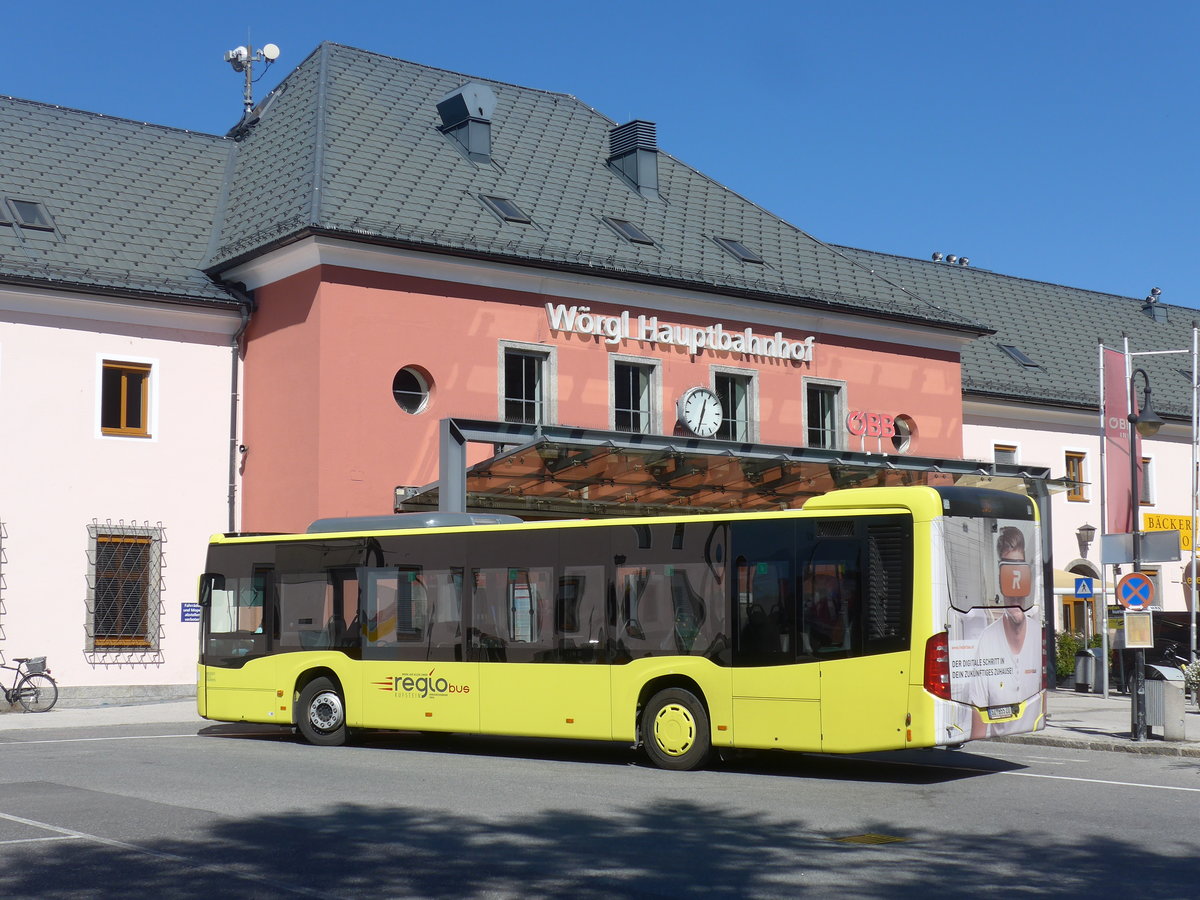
(489, 615)
(234, 615)
(833, 601)
(444, 633)
(764, 610)
(304, 609)
(580, 614)
(379, 607)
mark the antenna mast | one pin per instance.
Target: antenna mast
(243, 59)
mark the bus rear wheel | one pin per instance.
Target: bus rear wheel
(675, 730)
(322, 714)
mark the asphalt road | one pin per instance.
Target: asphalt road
(249, 811)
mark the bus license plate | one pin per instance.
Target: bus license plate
(1001, 712)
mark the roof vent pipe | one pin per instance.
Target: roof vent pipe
(466, 114)
(633, 152)
(1151, 307)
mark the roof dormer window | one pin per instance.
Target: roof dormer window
(628, 230)
(739, 250)
(28, 214)
(1019, 355)
(506, 209)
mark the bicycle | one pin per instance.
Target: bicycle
(32, 686)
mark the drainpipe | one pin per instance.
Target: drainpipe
(245, 307)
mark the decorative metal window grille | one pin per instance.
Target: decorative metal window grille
(125, 587)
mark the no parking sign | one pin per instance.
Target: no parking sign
(1135, 591)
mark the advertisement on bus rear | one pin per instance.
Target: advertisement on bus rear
(995, 622)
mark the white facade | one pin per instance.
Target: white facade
(1044, 436)
(64, 480)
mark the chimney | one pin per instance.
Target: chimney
(1151, 307)
(633, 153)
(467, 119)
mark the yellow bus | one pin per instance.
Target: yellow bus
(871, 619)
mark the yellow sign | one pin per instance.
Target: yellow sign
(1139, 629)
(1182, 524)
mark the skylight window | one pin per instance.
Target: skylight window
(628, 230)
(30, 214)
(739, 250)
(506, 209)
(1019, 355)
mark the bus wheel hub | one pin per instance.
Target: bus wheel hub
(674, 729)
(325, 712)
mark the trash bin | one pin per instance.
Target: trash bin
(1164, 701)
(1097, 670)
(1085, 665)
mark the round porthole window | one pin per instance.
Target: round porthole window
(906, 432)
(410, 388)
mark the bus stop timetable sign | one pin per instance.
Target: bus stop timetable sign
(1135, 591)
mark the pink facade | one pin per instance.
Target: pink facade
(325, 437)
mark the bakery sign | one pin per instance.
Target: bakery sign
(623, 327)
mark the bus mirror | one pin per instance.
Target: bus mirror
(207, 584)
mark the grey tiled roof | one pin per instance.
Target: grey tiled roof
(348, 144)
(1057, 327)
(132, 204)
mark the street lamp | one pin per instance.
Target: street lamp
(1085, 534)
(1146, 422)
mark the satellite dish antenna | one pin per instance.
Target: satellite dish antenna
(243, 59)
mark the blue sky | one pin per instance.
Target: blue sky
(1049, 140)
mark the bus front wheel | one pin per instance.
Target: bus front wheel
(322, 714)
(675, 730)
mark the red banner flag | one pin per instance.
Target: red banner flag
(1117, 471)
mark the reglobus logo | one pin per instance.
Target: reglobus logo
(421, 685)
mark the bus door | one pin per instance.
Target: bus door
(855, 613)
(238, 680)
(776, 687)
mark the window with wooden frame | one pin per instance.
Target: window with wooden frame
(125, 587)
(1075, 474)
(125, 399)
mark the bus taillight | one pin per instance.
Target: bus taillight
(937, 665)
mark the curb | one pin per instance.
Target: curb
(1158, 748)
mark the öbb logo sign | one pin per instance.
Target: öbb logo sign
(871, 424)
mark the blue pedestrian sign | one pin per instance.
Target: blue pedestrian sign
(1135, 591)
(1083, 588)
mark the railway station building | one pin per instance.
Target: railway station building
(394, 288)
